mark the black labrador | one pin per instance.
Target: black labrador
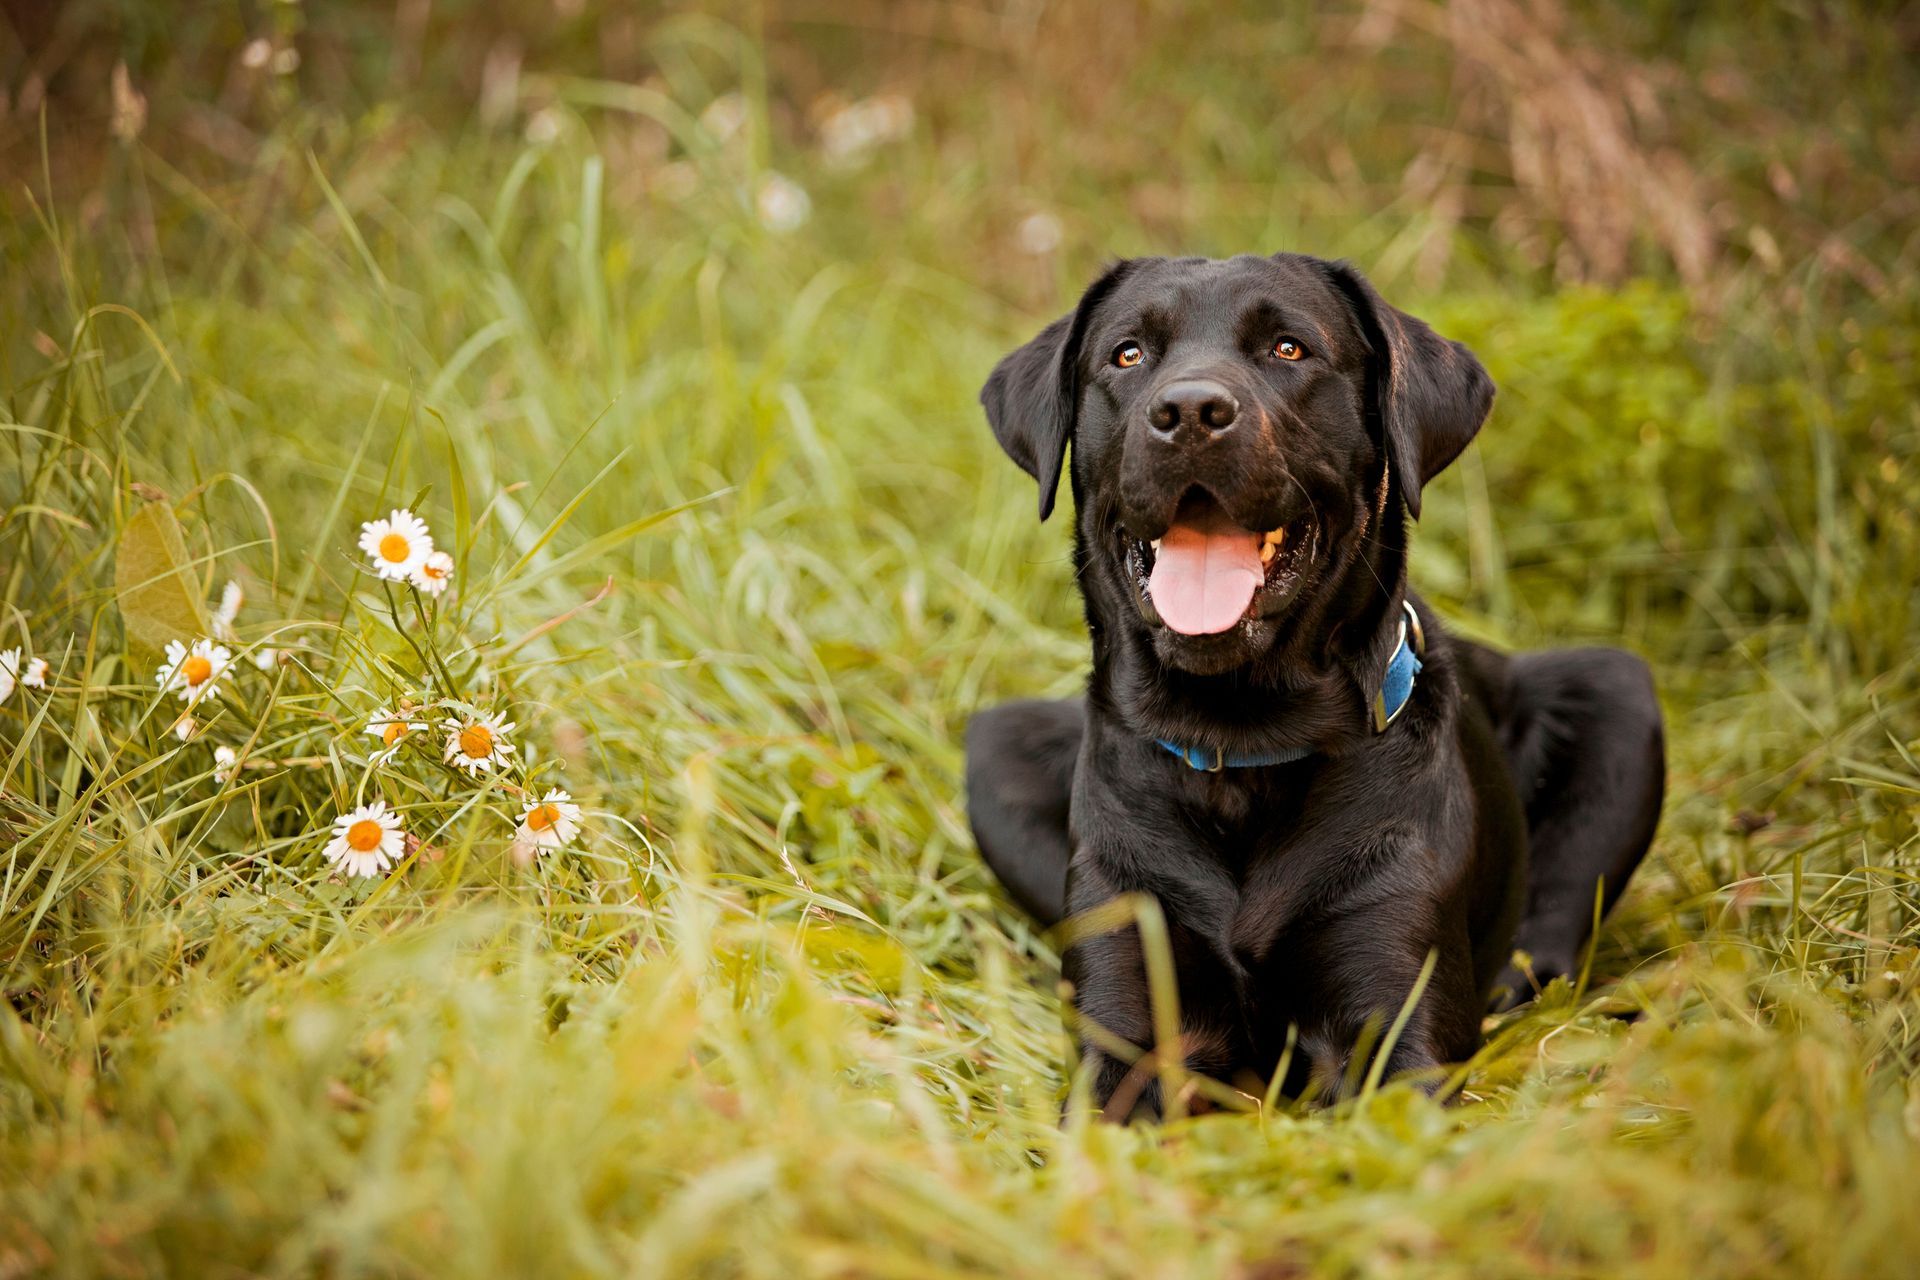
(1279, 741)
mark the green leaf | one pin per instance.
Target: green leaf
(159, 595)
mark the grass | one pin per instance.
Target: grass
(737, 554)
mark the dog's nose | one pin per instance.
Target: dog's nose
(1193, 402)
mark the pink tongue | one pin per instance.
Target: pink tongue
(1205, 574)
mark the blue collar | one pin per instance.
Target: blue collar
(1395, 690)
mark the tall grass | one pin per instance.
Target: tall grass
(737, 556)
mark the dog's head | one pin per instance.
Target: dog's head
(1240, 429)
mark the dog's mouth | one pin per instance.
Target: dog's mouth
(1207, 574)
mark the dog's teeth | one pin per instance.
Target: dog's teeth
(1267, 550)
(1155, 544)
(1276, 537)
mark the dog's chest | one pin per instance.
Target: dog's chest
(1276, 852)
(1240, 820)
(1221, 807)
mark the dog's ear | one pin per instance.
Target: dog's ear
(1431, 394)
(1033, 394)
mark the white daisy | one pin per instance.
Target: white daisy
(435, 572)
(9, 672)
(478, 744)
(223, 760)
(35, 676)
(390, 727)
(183, 727)
(550, 823)
(223, 617)
(366, 841)
(193, 673)
(398, 545)
(266, 658)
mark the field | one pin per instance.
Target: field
(670, 327)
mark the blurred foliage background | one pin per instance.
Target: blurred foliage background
(283, 265)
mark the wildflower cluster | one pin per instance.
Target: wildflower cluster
(433, 729)
(478, 744)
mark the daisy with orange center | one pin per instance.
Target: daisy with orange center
(434, 574)
(397, 546)
(193, 673)
(478, 744)
(366, 841)
(551, 822)
(391, 727)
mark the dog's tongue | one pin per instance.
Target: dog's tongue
(1205, 573)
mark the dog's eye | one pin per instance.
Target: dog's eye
(1128, 354)
(1288, 349)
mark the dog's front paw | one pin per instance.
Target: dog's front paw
(1124, 1092)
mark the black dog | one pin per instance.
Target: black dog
(1279, 743)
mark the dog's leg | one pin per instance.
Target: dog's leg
(1583, 732)
(1106, 971)
(1020, 760)
(1108, 976)
(1356, 1006)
